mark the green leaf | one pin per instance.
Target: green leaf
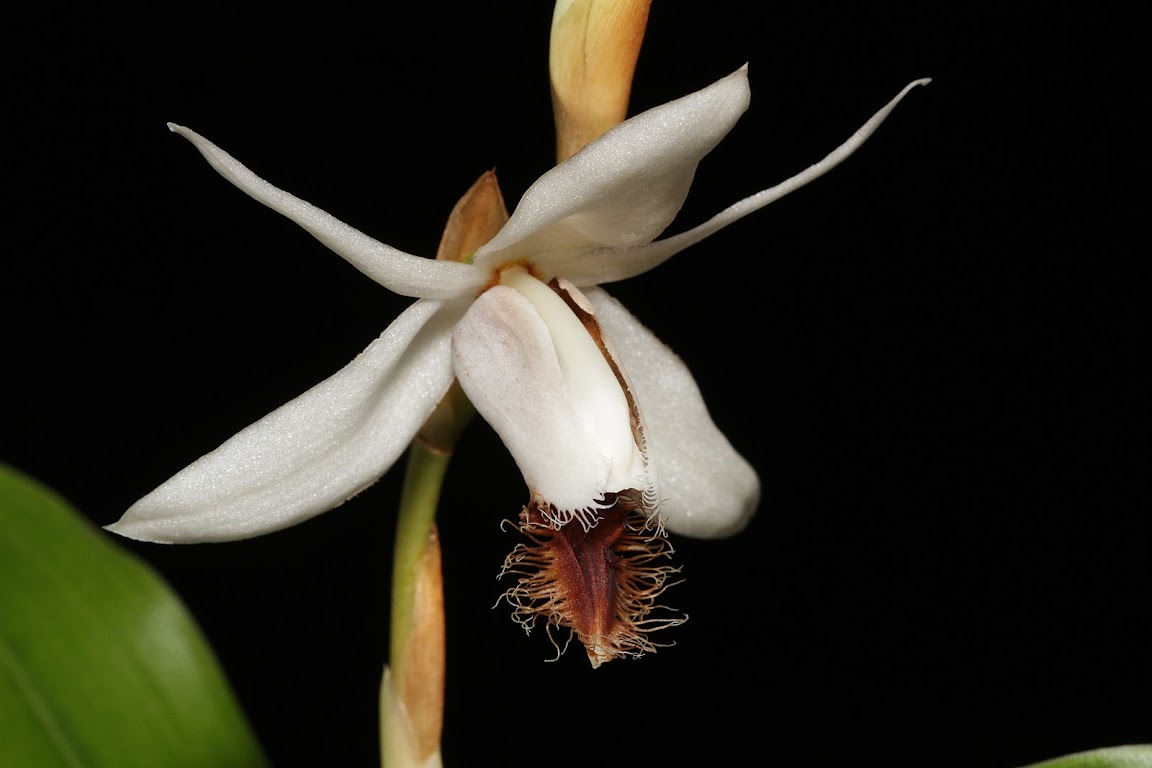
(1133, 756)
(100, 663)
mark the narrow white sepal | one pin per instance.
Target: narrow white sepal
(625, 187)
(704, 487)
(396, 270)
(605, 265)
(315, 452)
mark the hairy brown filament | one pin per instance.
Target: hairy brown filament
(601, 581)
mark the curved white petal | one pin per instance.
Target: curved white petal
(705, 488)
(506, 362)
(397, 271)
(605, 265)
(624, 188)
(315, 452)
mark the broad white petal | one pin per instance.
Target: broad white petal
(624, 188)
(507, 364)
(705, 488)
(605, 265)
(315, 452)
(397, 271)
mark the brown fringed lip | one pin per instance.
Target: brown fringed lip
(600, 580)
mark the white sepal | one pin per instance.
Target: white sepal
(704, 487)
(397, 271)
(625, 187)
(314, 452)
(606, 265)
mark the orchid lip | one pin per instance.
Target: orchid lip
(593, 388)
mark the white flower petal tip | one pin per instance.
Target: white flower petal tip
(128, 530)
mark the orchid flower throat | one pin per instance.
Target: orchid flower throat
(596, 390)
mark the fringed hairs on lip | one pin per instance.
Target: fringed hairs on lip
(602, 582)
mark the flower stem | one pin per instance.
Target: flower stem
(416, 542)
(412, 692)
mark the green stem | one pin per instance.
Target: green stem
(412, 689)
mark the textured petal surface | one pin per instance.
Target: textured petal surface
(606, 265)
(397, 271)
(314, 452)
(624, 188)
(705, 488)
(507, 364)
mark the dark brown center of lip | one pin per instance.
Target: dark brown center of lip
(599, 581)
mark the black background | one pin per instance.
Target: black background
(929, 355)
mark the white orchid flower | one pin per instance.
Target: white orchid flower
(598, 413)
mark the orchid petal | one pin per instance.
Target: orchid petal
(506, 362)
(705, 488)
(396, 270)
(315, 452)
(605, 265)
(624, 188)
